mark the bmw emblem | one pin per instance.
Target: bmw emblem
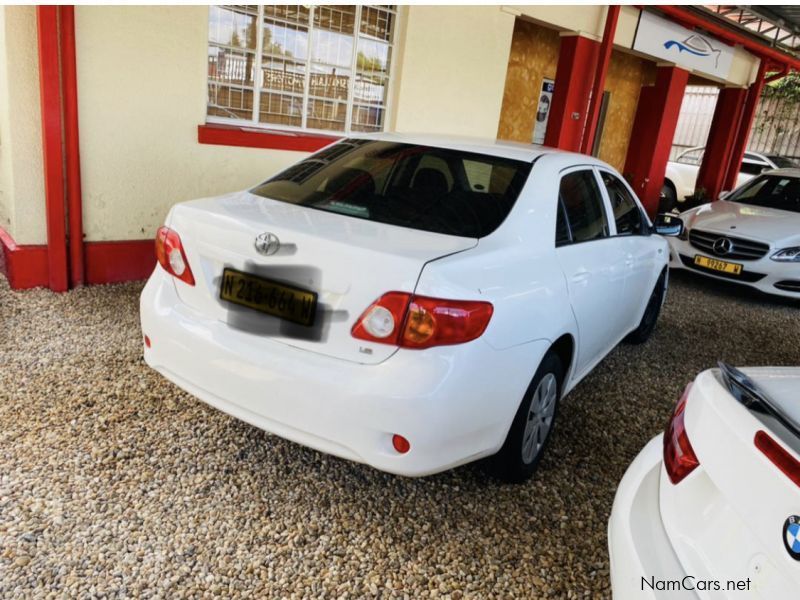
(267, 243)
(791, 536)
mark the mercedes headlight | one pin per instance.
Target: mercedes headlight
(787, 255)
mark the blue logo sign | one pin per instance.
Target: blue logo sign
(791, 536)
(697, 45)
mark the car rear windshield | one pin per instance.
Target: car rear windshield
(419, 187)
(771, 191)
(782, 162)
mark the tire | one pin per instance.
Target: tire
(651, 312)
(668, 200)
(533, 424)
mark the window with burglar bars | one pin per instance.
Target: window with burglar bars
(307, 67)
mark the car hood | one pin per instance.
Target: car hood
(768, 225)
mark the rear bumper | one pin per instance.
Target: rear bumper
(640, 552)
(454, 404)
(765, 274)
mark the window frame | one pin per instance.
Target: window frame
(679, 158)
(254, 123)
(604, 203)
(646, 223)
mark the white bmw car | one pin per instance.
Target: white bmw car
(711, 509)
(413, 303)
(751, 236)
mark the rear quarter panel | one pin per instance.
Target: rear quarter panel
(514, 268)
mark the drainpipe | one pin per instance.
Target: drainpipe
(69, 84)
(61, 160)
(780, 74)
(53, 152)
(612, 16)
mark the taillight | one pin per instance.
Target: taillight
(779, 456)
(679, 456)
(410, 321)
(170, 255)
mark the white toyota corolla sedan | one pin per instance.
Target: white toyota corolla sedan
(711, 509)
(751, 236)
(410, 302)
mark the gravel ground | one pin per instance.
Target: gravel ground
(114, 482)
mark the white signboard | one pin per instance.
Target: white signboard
(543, 110)
(671, 42)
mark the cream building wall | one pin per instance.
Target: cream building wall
(141, 95)
(22, 208)
(452, 69)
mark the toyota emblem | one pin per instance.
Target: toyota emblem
(723, 246)
(267, 243)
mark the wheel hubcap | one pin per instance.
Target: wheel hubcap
(540, 417)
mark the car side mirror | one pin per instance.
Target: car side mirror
(669, 225)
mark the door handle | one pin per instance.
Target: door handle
(580, 276)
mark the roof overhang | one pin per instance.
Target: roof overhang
(777, 43)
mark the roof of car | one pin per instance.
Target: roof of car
(505, 149)
(788, 172)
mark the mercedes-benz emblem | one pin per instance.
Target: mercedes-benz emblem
(722, 246)
(267, 243)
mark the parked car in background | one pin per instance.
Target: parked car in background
(711, 509)
(409, 302)
(681, 174)
(750, 236)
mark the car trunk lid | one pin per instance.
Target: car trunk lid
(349, 262)
(729, 521)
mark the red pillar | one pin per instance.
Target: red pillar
(721, 138)
(653, 131)
(596, 100)
(576, 66)
(746, 124)
(50, 96)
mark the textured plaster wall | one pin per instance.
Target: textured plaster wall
(142, 94)
(21, 180)
(534, 55)
(624, 80)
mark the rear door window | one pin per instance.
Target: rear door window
(627, 214)
(583, 206)
(751, 167)
(691, 157)
(420, 187)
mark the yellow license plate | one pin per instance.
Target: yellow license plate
(270, 297)
(718, 265)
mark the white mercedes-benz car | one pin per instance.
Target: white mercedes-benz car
(681, 174)
(711, 509)
(750, 236)
(410, 302)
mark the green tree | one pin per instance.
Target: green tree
(785, 93)
(367, 63)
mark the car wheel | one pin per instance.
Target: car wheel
(648, 323)
(530, 431)
(668, 199)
